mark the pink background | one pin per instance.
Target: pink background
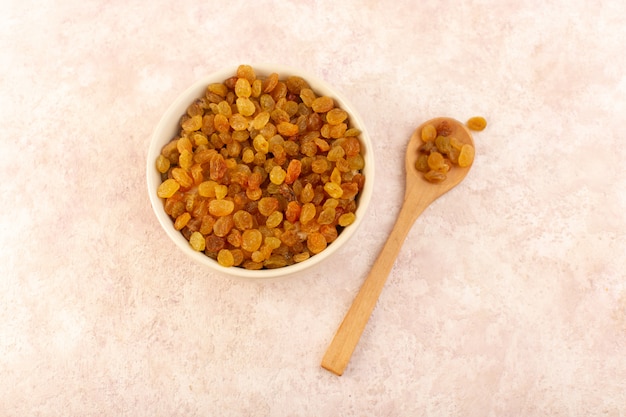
(508, 298)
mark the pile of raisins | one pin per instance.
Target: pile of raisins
(263, 172)
(439, 151)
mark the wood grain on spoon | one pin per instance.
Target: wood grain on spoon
(419, 194)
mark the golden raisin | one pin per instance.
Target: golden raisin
(316, 242)
(295, 84)
(292, 212)
(270, 82)
(192, 123)
(287, 129)
(336, 116)
(185, 160)
(422, 163)
(274, 219)
(243, 220)
(220, 208)
(307, 213)
(322, 104)
(261, 144)
(352, 146)
(429, 133)
(267, 205)
(214, 243)
(243, 88)
(303, 256)
(435, 176)
(245, 106)
(239, 123)
(247, 72)
(346, 219)
(182, 220)
(168, 188)
(277, 175)
(466, 157)
(335, 176)
(251, 240)
(435, 161)
(477, 123)
(337, 131)
(197, 241)
(225, 258)
(218, 88)
(260, 120)
(293, 171)
(162, 164)
(327, 216)
(333, 189)
(221, 123)
(182, 177)
(223, 225)
(443, 144)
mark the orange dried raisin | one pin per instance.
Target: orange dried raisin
(295, 84)
(243, 220)
(293, 171)
(316, 242)
(182, 177)
(287, 129)
(221, 123)
(251, 240)
(225, 258)
(333, 189)
(214, 243)
(191, 124)
(322, 104)
(247, 72)
(274, 219)
(221, 208)
(352, 146)
(327, 216)
(277, 175)
(243, 88)
(245, 106)
(218, 88)
(466, 157)
(292, 212)
(336, 116)
(422, 163)
(260, 120)
(261, 144)
(329, 232)
(435, 161)
(300, 257)
(429, 133)
(182, 220)
(270, 82)
(435, 176)
(167, 188)
(346, 219)
(223, 226)
(307, 213)
(267, 205)
(477, 123)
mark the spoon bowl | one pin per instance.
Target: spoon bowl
(419, 194)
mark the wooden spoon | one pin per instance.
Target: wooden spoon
(418, 195)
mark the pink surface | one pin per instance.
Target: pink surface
(509, 297)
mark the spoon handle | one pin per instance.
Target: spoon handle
(349, 332)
